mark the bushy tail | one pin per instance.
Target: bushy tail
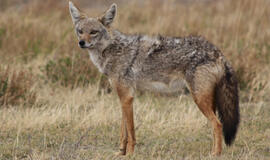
(227, 104)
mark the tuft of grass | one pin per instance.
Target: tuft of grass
(73, 72)
(70, 71)
(16, 87)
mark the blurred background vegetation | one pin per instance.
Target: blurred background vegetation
(54, 102)
(37, 39)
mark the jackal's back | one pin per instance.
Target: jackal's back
(166, 60)
(179, 54)
(158, 60)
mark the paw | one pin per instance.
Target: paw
(216, 153)
(121, 152)
(130, 149)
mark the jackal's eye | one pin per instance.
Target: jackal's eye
(80, 31)
(94, 32)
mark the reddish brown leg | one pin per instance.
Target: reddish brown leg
(205, 104)
(123, 137)
(127, 137)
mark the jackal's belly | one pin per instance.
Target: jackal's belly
(173, 86)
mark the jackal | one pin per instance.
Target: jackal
(161, 64)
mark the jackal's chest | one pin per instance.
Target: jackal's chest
(97, 61)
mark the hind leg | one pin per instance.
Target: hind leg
(206, 105)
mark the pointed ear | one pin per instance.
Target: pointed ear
(75, 13)
(108, 16)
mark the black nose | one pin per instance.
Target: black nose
(81, 43)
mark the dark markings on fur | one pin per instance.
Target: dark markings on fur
(200, 53)
(227, 104)
(228, 74)
(162, 59)
(157, 48)
(136, 58)
(129, 68)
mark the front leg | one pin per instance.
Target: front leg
(123, 137)
(127, 138)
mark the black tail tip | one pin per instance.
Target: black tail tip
(229, 134)
(229, 140)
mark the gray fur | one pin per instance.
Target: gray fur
(74, 12)
(140, 59)
(109, 15)
(161, 64)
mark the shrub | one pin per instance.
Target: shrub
(16, 87)
(70, 71)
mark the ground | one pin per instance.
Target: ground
(80, 124)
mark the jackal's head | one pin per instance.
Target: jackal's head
(93, 33)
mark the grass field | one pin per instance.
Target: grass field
(55, 105)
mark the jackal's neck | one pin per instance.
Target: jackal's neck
(119, 38)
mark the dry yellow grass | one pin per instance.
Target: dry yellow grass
(82, 122)
(78, 124)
